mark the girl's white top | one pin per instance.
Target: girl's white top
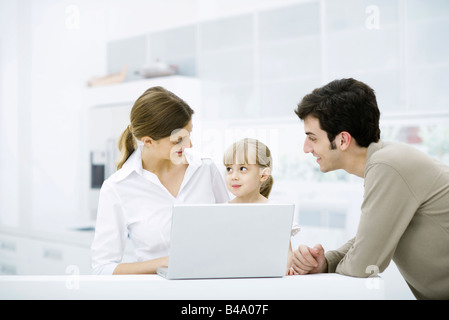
(133, 203)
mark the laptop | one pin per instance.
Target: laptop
(229, 241)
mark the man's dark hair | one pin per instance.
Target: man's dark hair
(344, 105)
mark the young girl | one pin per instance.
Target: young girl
(248, 176)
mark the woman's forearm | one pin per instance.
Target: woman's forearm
(144, 267)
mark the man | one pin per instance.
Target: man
(405, 210)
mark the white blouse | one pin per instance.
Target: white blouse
(134, 202)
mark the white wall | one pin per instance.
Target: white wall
(9, 158)
(66, 52)
(135, 17)
(46, 61)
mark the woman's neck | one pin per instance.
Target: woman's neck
(153, 163)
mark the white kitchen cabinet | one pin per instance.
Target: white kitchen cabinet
(30, 256)
(9, 255)
(43, 252)
(49, 258)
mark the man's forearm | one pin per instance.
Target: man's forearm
(333, 257)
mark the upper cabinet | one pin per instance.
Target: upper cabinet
(260, 64)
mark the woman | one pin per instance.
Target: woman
(136, 201)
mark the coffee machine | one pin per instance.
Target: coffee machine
(105, 125)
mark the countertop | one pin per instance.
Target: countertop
(154, 287)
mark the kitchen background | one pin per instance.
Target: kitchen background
(71, 70)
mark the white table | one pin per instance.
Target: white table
(153, 287)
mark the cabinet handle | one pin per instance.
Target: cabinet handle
(8, 269)
(52, 254)
(7, 246)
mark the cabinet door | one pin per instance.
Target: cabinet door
(28, 256)
(9, 256)
(47, 258)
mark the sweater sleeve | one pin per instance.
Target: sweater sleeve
(333, 257)
(387, 209)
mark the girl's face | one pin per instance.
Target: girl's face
(244, 179)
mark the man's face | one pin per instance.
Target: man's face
(318, 144)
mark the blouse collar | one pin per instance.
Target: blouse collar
(134, 163)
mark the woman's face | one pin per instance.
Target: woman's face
(172, 148)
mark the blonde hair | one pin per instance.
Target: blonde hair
(251, 151)
(156, 114)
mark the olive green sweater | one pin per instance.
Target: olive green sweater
(405, 217)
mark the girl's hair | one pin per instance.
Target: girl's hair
(251, 151)
(156, 114)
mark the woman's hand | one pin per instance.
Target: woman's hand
(144, 267)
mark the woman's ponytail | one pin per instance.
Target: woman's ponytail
(126, 144)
